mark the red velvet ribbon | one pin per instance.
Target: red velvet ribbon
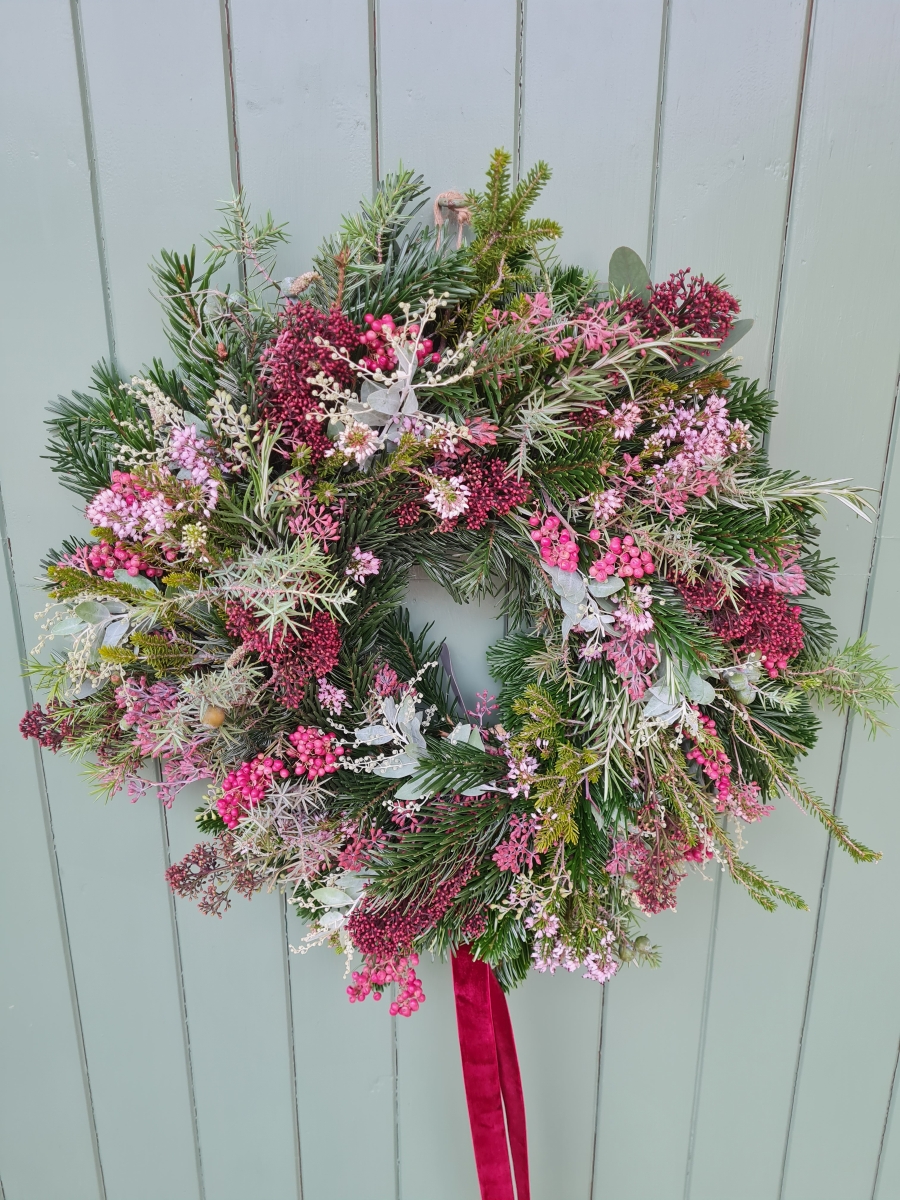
(491, 1075)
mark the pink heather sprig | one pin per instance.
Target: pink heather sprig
(788, 579)
(330, 697)
(129, 509)
(449, 496)
(362, 564)
(484, 707)
(317, 753)
(193, 454)
(622, 558)
(556, 545)
(387, 681)
(247, 785)
(377, 974)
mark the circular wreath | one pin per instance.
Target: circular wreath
(448, 396)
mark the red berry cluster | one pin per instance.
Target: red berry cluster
(688, 301)
(106, 560)
(716, 767)
(249, 783)
(556, 545)
(316, 752)
(40, 725)
(492, 488)
(377, 975)
(385, 934)
(762, 621)
(408, 514)
(292, 657)
(377, 340)
(292, 359)
(622, 558)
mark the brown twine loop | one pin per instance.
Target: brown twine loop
(455, 204)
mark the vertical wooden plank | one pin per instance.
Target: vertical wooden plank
(445, 99)
(160, 118)
(345, 1081)
(446, 88)
(303, 109)
(238, 1013)
(651, 1038)
(848, 1064)
(589, 107)
(842, 239)
(45, 1096)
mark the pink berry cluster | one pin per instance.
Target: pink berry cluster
(377, 340)
(556, 545)
(622, 558)
(377, 975)
(106, 560)
(316, 752)
(245, 787)
(717, 766)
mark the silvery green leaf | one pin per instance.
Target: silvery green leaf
(567, 584)
(415, 738)
(662, 705)
(389, 708)
(398, 766)
(738, 330)
(572, 608)
(115, 632)
(589, 623)
(85, 689)
(71, 625)
(475, 739)
(627, 273)
(116, 607)
(605, 587)
(373, 735)
(460, 734)
(331, 897)
(699, 691)
(92, 612)
(407, 710)
(363, 414)
(331, 919)
(568, 625)
(414, 790)
(479, 789)
(140, 582)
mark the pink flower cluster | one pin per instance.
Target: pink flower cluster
(362, 564)
(244, 787)
(704, 438)
(381, 354)
(623, 559)
(379, 974)
(788, 578)
(331, 697)
(104, 559)
(601, 328)
(514, 853)
(317, 753)
(556, 545)
(192, 454)
(129, 509)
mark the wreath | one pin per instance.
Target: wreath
(449, 396)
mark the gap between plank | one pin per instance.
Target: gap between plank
(884, 1128)
(795, 143)
(519, 86)
(90, 147)
(182, 1000)
(657, 133)
(374, 107)
(292, 1050)
(50, 837)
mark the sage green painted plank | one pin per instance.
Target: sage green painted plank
(44, 1097)
(436, 1159)
(589, 105)
(556, 1020)
(722, 198)
(157, 88)
(888, 1183)
(303, 114)
(724, 167)
(651, 1036)
(238, 1013)
(446, 88)
(345, 1080)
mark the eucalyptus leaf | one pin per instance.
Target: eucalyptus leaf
(140, 582)
(331, 897)
(92, 612)
(738, 330)
(699, 690)
(331, 919)
(627, 273)
(373, 735)
(479, 789)
(414, 790)
(605, 587)
(567, 584)
(475, 740)
(69, 627)
(115, 632)
(398, 766)
(460, 734)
